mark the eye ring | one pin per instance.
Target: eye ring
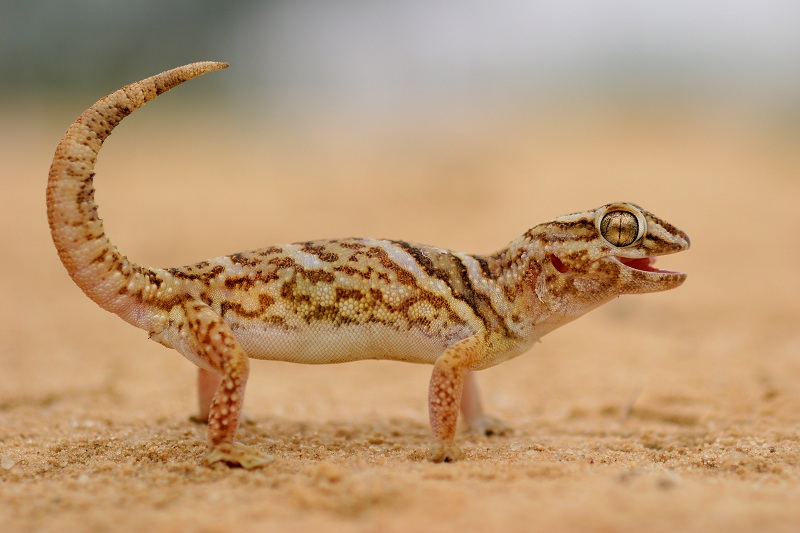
(621, 227)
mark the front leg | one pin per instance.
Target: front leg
(213, 341)
(444, 396)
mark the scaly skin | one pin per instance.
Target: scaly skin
(331, 301)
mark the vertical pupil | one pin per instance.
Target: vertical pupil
(620, 228)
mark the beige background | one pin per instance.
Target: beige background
(669, 412)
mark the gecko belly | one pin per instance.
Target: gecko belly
(329, 343)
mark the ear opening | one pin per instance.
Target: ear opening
(561, 267)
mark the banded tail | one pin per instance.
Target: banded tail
(106, 276)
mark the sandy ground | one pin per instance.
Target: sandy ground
(677, 411)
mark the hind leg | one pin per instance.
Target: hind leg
(472, 410)
(207, 384)
(213, 341)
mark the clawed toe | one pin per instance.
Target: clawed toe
(445, 453)
(236, 454)
(488, 426)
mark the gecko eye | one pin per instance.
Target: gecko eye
(620, 228)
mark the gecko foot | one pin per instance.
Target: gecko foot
(199, 419)
(445, 453)
(488, 426)
(203, 419)
(236, 454)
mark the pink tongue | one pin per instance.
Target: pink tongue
(644, 263)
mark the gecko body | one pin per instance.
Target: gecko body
(338, 300)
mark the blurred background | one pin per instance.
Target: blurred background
(460, 124)
(391, 58)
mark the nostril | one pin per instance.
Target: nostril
(561, 267)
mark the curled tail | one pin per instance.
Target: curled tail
(105, 275)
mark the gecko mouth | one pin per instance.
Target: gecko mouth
(644, 264)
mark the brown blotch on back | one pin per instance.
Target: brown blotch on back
(172, 302)
(402, 275)
(197, 272)
(320, 251)
(264, 302)
(485, 269)
(282, 262)
(376, 294)
(272, 250)
(352, 245)
(244, 260)
(419, 256)
(480, 303)
(453, 272)
(317, 276)
(348, 294)
(349, 271)
(242, 283)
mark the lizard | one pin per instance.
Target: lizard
(338, 300)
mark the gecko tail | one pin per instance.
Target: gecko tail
(94, 263)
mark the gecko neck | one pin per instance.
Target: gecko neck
(537, 291)
(515, 267)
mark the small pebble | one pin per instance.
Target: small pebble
(734, 458)
(7, 463)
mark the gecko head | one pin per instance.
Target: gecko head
(615, 247)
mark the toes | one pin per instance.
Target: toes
(488, 426)
(236, 454)
(445, 453)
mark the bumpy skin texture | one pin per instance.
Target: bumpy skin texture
(331, 301)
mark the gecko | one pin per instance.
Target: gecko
(338, 300)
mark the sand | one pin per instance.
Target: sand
(677, 411)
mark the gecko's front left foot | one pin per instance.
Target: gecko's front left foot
(441, 452)
(236, 454)
(488, 426)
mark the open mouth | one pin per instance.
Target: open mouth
(645, 264)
